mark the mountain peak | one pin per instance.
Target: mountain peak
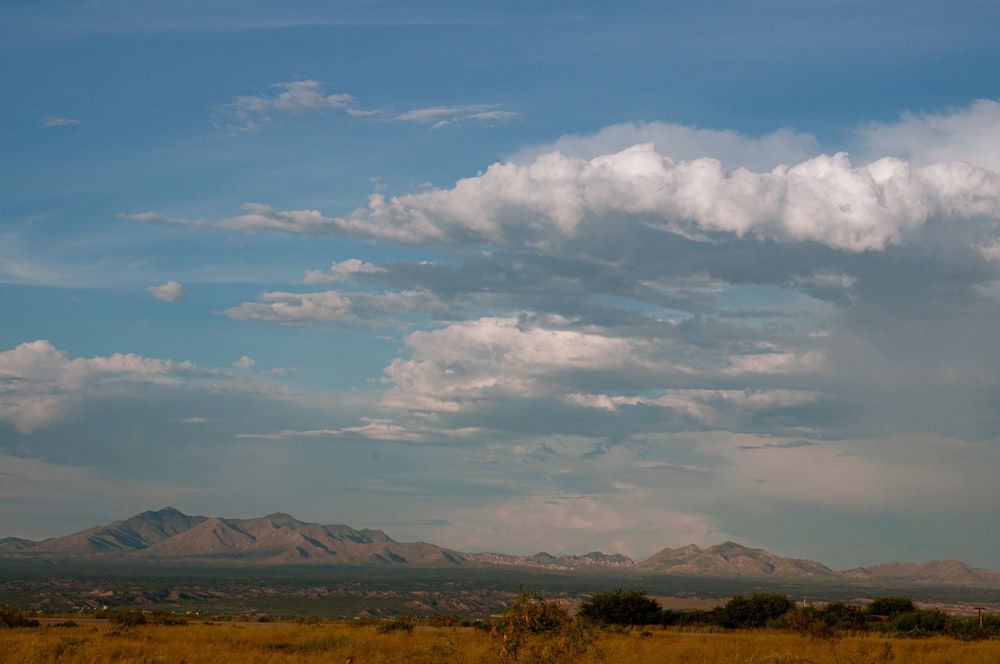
(169, 511)
(283, 520)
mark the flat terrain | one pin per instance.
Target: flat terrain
(344, 593)
(357, 643)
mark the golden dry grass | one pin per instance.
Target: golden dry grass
(302, 644)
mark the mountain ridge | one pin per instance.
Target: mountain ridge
(169, 535)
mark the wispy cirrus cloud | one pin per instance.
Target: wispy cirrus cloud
(441, 116)
(306, 97)
(48, 123)
(156, 219)
(371, 429)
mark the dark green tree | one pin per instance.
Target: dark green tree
(890, 607)
(625, 608)
(755, 611)
(921, 622)
(840, 615)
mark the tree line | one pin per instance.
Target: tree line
(898, 615)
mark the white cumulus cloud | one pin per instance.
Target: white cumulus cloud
(40, 383)
(685, 143)
(171, 291)
(970, 134)
(825, 200)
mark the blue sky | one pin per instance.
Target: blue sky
(507, 276)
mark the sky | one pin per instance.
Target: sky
(520, 276)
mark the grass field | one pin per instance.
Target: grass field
(346, 642)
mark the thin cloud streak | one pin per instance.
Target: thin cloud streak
(48, 123)
(252, 113)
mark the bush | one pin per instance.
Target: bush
(397, 624)
(755, 611)
(839, 615)
(134, 617)
(124, 618)
(922, 622)
(538, 632)
(808, 621)
(625, 608)
(890, 607)
(445, 620)
(14, 617)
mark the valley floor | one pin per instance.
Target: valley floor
(222, 643)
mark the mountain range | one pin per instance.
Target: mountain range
(168, 535)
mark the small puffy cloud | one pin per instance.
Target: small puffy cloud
(171, 291)
(329, 306)
(48, 123)
(294, 307)
(341, 271)
(245, 362)
(294, 98)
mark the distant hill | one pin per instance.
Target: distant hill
(282, 539)
(547, 561)
(731, 560)
(170, 536)
(277, 539)
(937, 572)
(138, 532)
